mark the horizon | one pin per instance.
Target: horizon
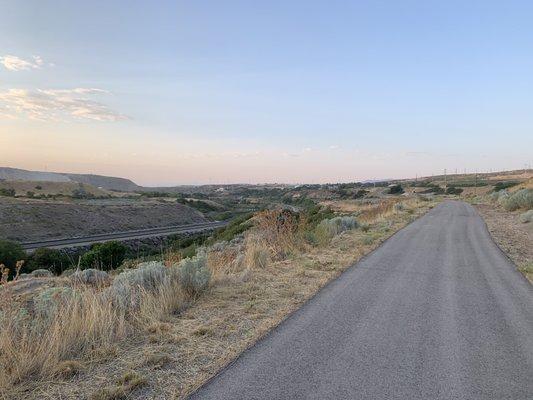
(211, 93)
(450, 174)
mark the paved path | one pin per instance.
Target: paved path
(437, 312)
(125, 235)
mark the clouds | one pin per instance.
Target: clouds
(14, 63)
(56, 105)
(51, 104)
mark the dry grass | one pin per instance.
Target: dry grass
(32, 346)
(246, 299)
(85, 325)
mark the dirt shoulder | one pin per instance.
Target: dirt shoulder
(514, 237)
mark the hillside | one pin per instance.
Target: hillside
(27, 220)
(48, 188)
(15, 174)
(99, 181)
(105, 182)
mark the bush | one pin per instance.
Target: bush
(90, 276)
(10, 253)
(236, 227)
(526, 217)
(500, 197)
(521, 199)
(315, 214)
(7, 192)
(104, 256)
(45, 258)
(396, 189)
(129, 286)
(329, 228)
(504, 185)
(47, 301)
(194, 274)
(432, 188)
(454, 190)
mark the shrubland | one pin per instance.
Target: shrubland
(195, 310)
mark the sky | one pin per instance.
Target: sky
(295, 91)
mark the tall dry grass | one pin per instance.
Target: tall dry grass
(278, 231)
(375, 212)
(83, 326)
(32, 346)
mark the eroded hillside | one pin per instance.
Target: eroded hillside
(27, 220)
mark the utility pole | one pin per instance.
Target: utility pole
(445, 180)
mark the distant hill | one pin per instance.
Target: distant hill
(15, 174)
(105, 182)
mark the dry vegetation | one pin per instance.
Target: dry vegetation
(162, 329)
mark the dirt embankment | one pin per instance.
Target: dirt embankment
(25, 220)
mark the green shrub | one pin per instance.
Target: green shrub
(396, 189)
(194, 274)
(315, 214)
(10, 192)
(10, 253)
(234, 228)
(45, 258)
(329, 228)
(200, 205)
(432, 188)
(504, 185)
(454, 190)
(522, 199)
(104, 256)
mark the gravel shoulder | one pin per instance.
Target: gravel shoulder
(512, 236)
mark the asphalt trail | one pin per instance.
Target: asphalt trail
(437, 312)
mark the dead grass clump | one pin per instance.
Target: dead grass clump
(157, 360)
(126, 384)
(68, 368)
(225, 259)
(167, 299)
(256, 254)
(277, 231)
(132, 380)
(375, 212)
